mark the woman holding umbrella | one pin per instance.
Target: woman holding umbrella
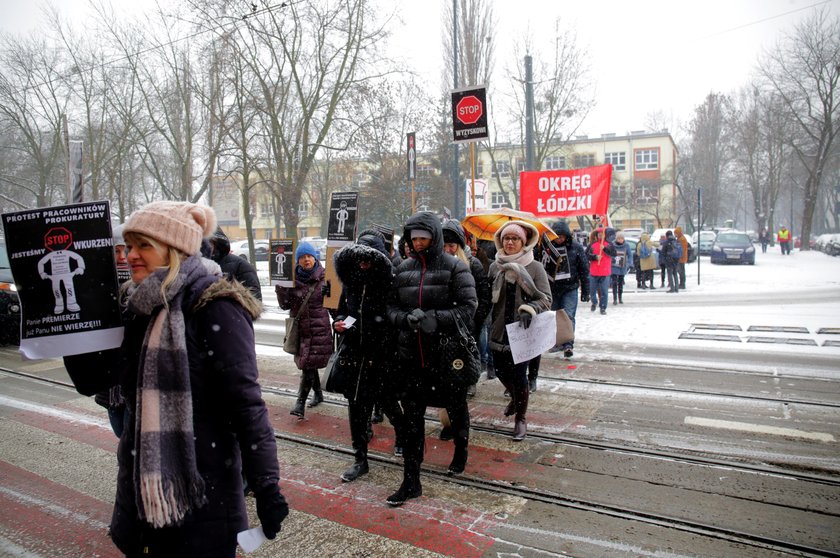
(520, 291)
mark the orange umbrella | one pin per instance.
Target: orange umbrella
(484, 223)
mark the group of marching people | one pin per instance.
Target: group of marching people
(391, 317)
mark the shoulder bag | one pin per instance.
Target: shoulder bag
(291, 343)
(458, 361)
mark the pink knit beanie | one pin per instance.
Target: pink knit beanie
(515, 230)
(181, 225)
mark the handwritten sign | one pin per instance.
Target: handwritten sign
(526, 344)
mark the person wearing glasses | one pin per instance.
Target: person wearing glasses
(520, 291)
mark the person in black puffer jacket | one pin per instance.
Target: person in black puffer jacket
(565, 281)
(430, 289)
(233, 266)
(367, 346)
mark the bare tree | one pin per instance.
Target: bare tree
(33, 106)
(804, 71)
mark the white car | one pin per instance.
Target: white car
(240, 248)
(659, 233)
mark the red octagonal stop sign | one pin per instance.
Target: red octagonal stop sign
(469, 110)
(58, 238)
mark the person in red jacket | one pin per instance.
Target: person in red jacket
(784, 240)
(600, 254)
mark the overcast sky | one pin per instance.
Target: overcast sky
(645, 56)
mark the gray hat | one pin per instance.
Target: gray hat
(118, 236)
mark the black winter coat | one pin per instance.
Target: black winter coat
(235, 267)
(230, 420)
(429, 280)
(368, 347)
(316, 340)
(578, 265)
(667, 252)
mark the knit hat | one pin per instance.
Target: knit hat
(117, 234)
(181, 225)
(373, 239)
(305, 248)
(515, 230)
(420, 233)
(669, 234)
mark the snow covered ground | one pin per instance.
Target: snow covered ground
(801, 290)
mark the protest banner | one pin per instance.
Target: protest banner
(343, 220)
(281, 262)
(566, 193)
(526, 344)
(62, 260)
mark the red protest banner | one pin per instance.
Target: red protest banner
(566, 193)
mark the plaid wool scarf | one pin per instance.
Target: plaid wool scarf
(165, 473)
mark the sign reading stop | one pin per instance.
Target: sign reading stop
(469, 114)
(469, 110)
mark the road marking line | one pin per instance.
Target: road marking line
(759, 428)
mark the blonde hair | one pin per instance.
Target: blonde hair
(172, 255)
(461, 255)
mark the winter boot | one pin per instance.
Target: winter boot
(303, 393)
(533, 372)
(620, 294)
(357, 469)
(377, 414)
(520, 426)
(491, 371)
(357, 414)
(410, 487)
(459, 458)
(317, 394)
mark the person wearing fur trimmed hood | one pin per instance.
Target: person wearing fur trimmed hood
(366, 274)
(316, 339)
(431, 290)
(520, 291)
(188, 370)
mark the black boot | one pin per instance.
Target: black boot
(491, 371)
(620, 294)
(357, 469)
(533, 372)
(377, 414)
(317, 394)
(303, 393)
(459, 458)
(357, 415)
(410, 487)
(520, 428)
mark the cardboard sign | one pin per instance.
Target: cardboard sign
(281, 262)
(526, 344)
(62, 260)
(331, 278)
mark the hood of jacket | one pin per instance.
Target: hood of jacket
(224, 288)
(347, 265)
(221, 245)
(678, 232)
(454, 227)
(427, 221)
(530, 230)
(562, 227)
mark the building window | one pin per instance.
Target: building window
(501, 169)
(647, 191)
(555, 162)
(583, 160)
(360, 180)
(303, 209)
(616, 159)
(618, 194)
(266, 210)
(497, 200)
(520, 165)
(479, 169)
(647, 159)
(425, 171)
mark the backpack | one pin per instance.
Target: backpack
(677, 250)
(644, 251)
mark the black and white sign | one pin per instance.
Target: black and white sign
(469, 114)
(619, 259)
(62, 259)
(411, 156)
(388, 233)
(344, 211)
(281, 262)
(555, 259)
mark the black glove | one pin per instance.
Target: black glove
(584, 297)
(326, 289)
(429, 322)
(525, 318)
(414, 317)
(272, 509)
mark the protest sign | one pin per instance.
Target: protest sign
(566, 193)
(526, 344)
(281, 262)
(62, 260)
(343, 220)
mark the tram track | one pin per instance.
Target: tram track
(505, 487)
(497, 487)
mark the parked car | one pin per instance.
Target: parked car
(833, 245)
(240, 248)
(707, 238)
(9, 301)
(733, 247)
(319, 244)
(822, 241)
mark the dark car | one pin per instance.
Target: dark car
(9, 301)
(733, 247)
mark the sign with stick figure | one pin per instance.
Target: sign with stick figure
(62, 260)
(343, 221)
(281, 262)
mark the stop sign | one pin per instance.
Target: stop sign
(469, 109)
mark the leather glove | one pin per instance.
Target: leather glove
(429, 322)
(414, 317)
(584, 297)
(326, 289)
(525, 319)
(272, 509)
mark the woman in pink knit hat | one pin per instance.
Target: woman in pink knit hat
(187, 369)
(520, 291)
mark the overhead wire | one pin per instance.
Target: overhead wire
(756, 22)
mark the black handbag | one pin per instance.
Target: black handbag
(459, 362)
(339, 370)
